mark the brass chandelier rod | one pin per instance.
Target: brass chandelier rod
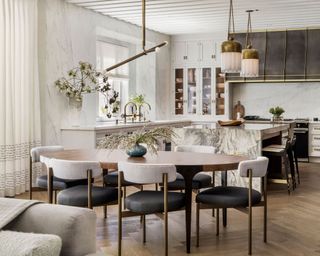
(144, 50)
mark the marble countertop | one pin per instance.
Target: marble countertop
(263, 127)
(121, 125)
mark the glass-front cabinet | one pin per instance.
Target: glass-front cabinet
(179, 84)
(206, 104)
(199, 92)
(192, 91)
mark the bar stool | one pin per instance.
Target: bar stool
(283, 152)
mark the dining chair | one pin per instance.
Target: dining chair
(146, 202)
(42, 181)
(241, 198)
(200, 180)
(81, 195)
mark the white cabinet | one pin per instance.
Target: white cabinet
(314, 139)
(194, 52)
(208, 51)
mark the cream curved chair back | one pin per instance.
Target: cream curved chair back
(147, 173)
(195, 148)
(258, 166)
(37, 151)
(74, 170)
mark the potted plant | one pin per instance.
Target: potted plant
(276, 112)
(132, 142)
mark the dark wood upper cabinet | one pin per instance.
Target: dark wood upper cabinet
(259, 43)
(295, 55)
(284, 55)
(275, 55)
(313, 54)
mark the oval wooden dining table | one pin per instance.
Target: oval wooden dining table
(188, 164)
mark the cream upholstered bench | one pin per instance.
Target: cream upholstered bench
(74, 225)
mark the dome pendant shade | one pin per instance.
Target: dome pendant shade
(250, 63)
(231, 56)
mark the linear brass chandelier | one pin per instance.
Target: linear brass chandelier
(231, 49)
(250, 56)
(144, 50)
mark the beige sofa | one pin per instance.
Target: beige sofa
(75, 226)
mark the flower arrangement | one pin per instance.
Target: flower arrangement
(277, 111)
(85, 79)
(128, 141)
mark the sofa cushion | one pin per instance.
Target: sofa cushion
(29, 244)
(74, 225)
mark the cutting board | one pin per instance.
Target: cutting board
(238, 108)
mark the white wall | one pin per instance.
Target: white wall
(67, 34)
(299, 100)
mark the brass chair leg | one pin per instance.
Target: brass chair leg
(119, 213)
(265, 210)
(250, 214)
(50, 185)
(217, 222)
(197, 222)
(30, 179)
(165, 183)
(124, 197)
(144, 228)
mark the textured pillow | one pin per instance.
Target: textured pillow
(29, 244)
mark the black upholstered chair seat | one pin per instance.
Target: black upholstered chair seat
(111, 179)
(227, 197)
(200, 180)
(59, 184)
(78, 196)
(147, 202)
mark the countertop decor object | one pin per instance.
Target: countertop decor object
(238, 108)
(230, 122)
(277, 113)
(137, 143)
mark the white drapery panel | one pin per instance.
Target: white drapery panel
(19, 93)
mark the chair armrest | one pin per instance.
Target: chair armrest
(75, 226)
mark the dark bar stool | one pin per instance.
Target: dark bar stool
(284, 152)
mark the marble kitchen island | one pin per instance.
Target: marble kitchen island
(247, 139)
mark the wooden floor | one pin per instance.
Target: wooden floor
(293, 227)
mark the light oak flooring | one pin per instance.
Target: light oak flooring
(293, 226)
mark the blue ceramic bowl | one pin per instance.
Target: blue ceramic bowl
(137, 151)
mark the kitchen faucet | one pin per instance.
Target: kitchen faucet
(134, 111)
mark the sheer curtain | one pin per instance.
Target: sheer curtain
(19, 93)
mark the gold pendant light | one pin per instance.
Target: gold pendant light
(250, 56)
(231, 49)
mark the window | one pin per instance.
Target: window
(109, 54)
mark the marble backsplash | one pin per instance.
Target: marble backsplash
(299, 100)
(68, 34)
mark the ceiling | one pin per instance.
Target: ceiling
(209, 16)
